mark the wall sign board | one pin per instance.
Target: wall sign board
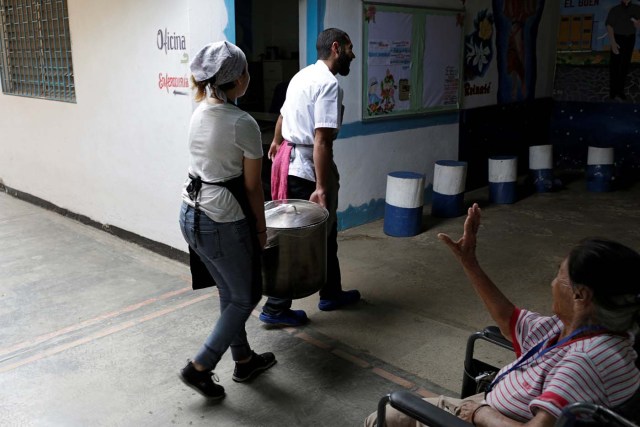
(412, 60)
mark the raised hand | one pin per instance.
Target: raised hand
(464, 249)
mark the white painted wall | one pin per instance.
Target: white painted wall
(118, 155)
(365, 161)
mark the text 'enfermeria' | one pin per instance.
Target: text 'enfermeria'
(167, 81)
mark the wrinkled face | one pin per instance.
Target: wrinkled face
(345, 56)
(562, 292)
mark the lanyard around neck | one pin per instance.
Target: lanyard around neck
(536, 348)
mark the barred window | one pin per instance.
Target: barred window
(35, 49)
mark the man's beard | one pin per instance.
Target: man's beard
(344, 62)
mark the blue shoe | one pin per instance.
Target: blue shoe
(344, 298)
(286, 318)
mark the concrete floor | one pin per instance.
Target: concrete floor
(95, 329)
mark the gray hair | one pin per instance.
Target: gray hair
(608, 268)
(619, 317)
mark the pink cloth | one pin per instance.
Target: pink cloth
(280, 172)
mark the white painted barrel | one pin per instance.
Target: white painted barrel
(541, 167)
(403, 204)
(503, 177)
(541, 157)
(600, 167)
(449, 178)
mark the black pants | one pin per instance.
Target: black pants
(619, 64)
(299, 188)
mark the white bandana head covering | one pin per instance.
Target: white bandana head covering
(223, 60)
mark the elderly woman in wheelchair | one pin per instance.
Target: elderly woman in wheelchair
(583, 353)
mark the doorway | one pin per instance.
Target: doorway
(267, 31)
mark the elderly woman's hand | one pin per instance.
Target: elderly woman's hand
(465, 248)
(469, 409)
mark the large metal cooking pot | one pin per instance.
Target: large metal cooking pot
(294, 263)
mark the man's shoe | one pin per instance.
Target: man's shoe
(254, 367)
(286, 318)
(202, 382)
(343, 298)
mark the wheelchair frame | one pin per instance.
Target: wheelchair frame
(576, 414)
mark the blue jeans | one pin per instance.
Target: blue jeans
(226, 250)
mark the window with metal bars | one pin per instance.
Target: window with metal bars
(35, 49)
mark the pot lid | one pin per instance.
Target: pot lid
(293, 213)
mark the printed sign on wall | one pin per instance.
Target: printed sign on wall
(412, 60)
(173, 44)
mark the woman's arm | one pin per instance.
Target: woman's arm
(486, 416)
(499, 306)
(253, 186)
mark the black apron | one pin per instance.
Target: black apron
(200, 276)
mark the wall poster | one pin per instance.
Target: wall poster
(413, 60)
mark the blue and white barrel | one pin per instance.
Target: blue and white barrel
(600, 169)
(503, 177)
(403, 204)
(449, 179)
(541, 167)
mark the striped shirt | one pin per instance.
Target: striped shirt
(597, 367)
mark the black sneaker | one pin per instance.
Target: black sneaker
(258, 364)
(202, 382)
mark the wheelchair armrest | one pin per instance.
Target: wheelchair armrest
(411, 404)
(473, 367)
(493, 335)
(592, 414)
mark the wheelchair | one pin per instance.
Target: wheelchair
(477, 376)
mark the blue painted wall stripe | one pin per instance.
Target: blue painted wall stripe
(349, 130)
(230, 29)
(315, 24)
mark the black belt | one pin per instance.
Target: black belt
(235, 187)
(193, 189)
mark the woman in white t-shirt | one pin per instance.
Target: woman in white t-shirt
(222, 215)
(583, 353)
